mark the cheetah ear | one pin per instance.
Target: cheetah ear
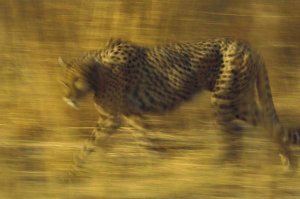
(62, 62)
(113, 42)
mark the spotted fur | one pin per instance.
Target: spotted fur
(128, 79)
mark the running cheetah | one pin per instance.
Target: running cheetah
(131, 80)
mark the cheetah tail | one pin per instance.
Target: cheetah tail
(269, 115)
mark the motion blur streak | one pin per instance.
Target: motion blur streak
(40, 133)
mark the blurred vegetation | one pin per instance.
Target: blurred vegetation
(40, 133)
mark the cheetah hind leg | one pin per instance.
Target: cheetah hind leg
(249, 112)
(224, 103)
(247, 107)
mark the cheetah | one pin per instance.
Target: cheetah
(131, 80)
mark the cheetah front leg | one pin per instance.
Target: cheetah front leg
(106, 126)
(141, 132)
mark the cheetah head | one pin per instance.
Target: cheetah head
(75, 83)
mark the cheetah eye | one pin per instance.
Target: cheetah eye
(81, 84)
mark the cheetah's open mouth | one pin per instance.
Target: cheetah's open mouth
(71, 103)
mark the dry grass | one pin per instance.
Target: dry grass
(39, 133)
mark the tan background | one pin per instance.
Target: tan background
(39, 133)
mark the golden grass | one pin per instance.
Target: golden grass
(40, 134)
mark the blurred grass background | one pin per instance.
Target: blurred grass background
(39, 133)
